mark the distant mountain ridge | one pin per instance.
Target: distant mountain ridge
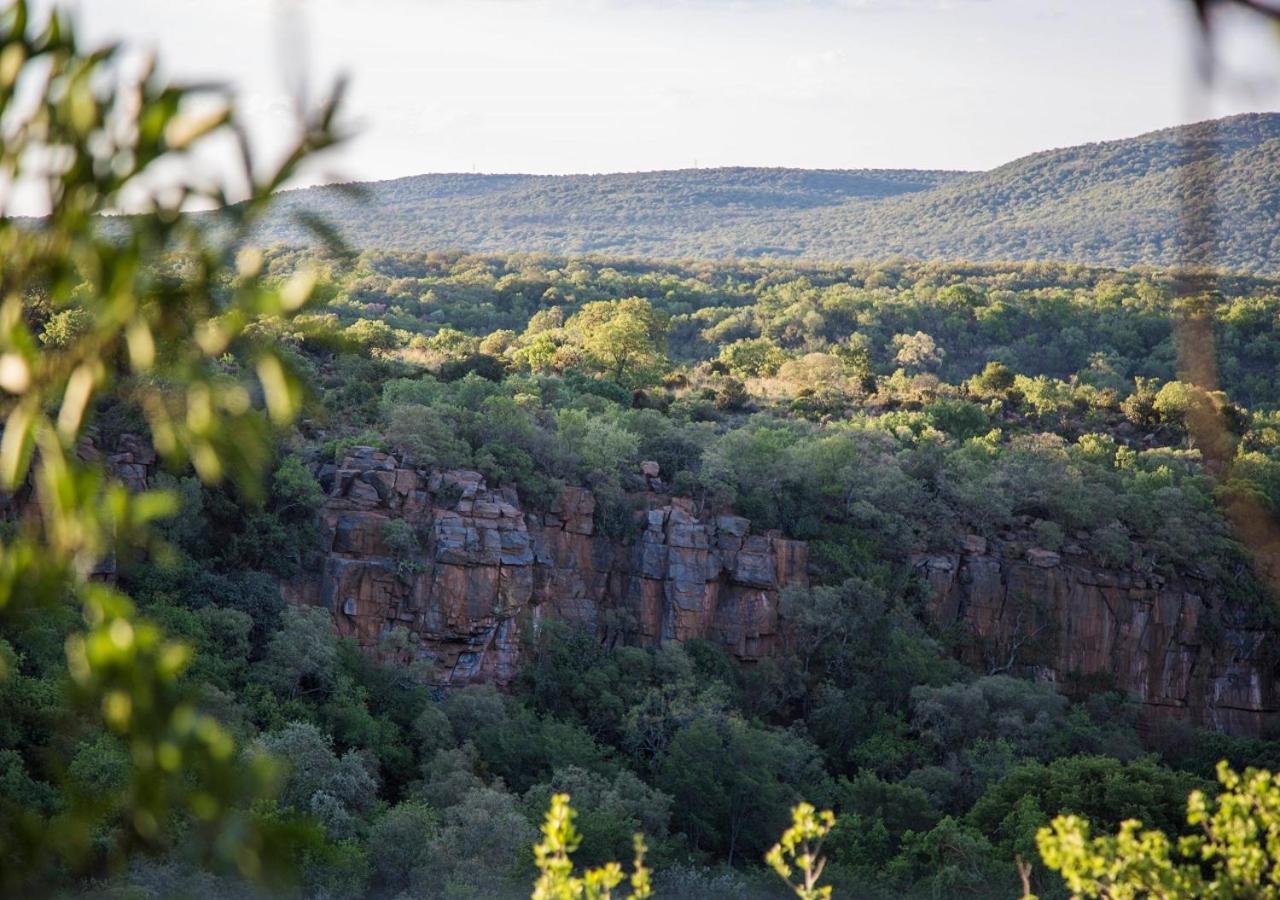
(1113, 203)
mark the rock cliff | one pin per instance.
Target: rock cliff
(467, 572)
(1172, 644)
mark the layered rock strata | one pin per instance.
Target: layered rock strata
(467, 573)
(1170, 643)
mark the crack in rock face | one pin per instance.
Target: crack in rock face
(483, 572)
(1145, 635)
(468, 574)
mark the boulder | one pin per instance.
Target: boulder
(1045, 559)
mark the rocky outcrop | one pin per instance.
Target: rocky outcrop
(466, 572)
(1172, 644)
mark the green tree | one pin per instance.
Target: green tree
(917, 351)
(732, 783)
(400, 845)
(302, 657)
(64, 328)
(334, 789)
(995, 378)
(612, 810)
(428, 434)
(950, 859)
(478, 842)
(371, 334)
(753, 357)
(624, 339)
(604, 448)
(1140, 406)
(1104, 790)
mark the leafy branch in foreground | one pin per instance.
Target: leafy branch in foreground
(1236, 853)
(148, 307)
(800, 846)
(553, 857)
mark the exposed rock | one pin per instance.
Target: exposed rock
(1176, 648)
(1045, 559)
(575, 508)
(650, 469)
(487, 573)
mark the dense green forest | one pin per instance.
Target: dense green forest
(1114, 203)
(174, 402)
(875, 410)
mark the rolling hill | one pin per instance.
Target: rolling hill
(1116, 203)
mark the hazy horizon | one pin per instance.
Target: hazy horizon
(557, 87)
(731, 166)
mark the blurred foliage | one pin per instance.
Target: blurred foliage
(135, 305)
(553, 857)
(877, 410)
(800, 846)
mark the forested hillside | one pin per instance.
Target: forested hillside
(875, 411)
(353, 574)
(693, 212)
(1114, 203)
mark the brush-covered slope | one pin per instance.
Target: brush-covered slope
(689, 212)
(1117, 203)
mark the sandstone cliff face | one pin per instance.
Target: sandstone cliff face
(480, 572)
(1168, 643)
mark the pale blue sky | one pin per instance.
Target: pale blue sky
(619, 85)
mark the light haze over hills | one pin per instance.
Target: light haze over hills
(1115, 203)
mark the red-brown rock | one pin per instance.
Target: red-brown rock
(486, 572)
(1063, 621)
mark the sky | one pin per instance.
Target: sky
(565, 86)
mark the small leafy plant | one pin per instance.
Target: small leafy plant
(799, 850)
(1235, 853)
(553, 855)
